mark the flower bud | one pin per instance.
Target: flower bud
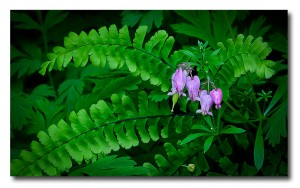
(206, 102)
(193, 85)
(217, 95)
(191, 167)
(174, 100)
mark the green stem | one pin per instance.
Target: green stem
(208, 81)
(239, 114)
(260, 114)
(228, 24)
(45, 40)
(221, 145)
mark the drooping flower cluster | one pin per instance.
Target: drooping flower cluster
(180, 79)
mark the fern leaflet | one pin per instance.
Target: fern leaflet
(242, 56)
(152, 60)
(109, 127)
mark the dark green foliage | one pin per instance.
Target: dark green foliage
(97, 104)
(145, 18)
(27, 62)
(257, 28)
(200, 25)
(111, 166)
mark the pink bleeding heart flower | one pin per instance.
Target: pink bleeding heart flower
(193, 85)
(178, 82)
(217, 95)
(206, 102)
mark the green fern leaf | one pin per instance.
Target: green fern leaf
(108, 127)
(110, 47)
(242, 56)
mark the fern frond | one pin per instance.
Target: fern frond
(110, 47)
(242, 56)
(109, 127)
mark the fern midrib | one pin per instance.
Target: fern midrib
(103, 125)
(131, 46)
(232, 56)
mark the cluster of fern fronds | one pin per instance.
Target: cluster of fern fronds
(110, 114)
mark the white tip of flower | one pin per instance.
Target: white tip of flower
(199, 111)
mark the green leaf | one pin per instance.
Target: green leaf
(146, 18)
(282, 88)
(157, 95)
(230, 129)
(207, 143)
(202, 162)
(258, 28)
(225, 147)
(29, 62)
(192, 137)
(69, 92)
(190, 54)
(130, 17)
(242, 140)
(43, 90)
(229, 167)
(259, 148)
(111, 166)
(152, 17)
(54, 17)
(277, 125)
(24, 21)
(139, 37)
(248, 170)
(208, 121)
(279, 42)
(20, 109)
(206, 25)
